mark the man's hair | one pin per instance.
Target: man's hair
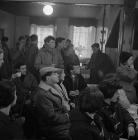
(19, 64)
(59, 40)
(4, 39)
(34, 37)
(21, 38)
(109, 86)
(7, 93)
(124, 56)
(90, 100)
(96, 45)
(68, 40)
(48, 39)
(43, 78)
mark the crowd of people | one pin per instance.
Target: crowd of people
(44, 96)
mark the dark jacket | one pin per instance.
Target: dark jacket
(100, 62)
(18, 55)
(76, 83)
(25, 85)
(70, 58)
(6, 68)
(85, 128)
(31, 53)
(116, 119)
(50, 113)
(9, 130)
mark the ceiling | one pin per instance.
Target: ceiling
(34, 9)
(62, 8)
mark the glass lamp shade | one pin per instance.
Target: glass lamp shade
(48, 10)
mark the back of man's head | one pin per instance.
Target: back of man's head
(59, 40)
(34, 38)
(7, 93)
(4, 39)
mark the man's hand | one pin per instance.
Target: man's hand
(131, 131)
(122, 139)
(100, 73)
(74, 93)
(72, 105)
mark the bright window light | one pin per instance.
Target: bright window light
(48, 10)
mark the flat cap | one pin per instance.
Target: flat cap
(44, 70)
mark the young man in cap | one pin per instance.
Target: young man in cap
(52, 116)
(100, 64)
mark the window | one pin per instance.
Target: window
(42, 32)
(83, 38)
(99, 37)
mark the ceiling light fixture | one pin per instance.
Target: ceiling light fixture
(48, 10)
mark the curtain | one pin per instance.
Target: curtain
(81, 22)
(83, 38)
(42, 32)
(99, 36)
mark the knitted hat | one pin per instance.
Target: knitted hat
(124, 56)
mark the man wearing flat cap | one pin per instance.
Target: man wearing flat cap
(52, 116)
(100, 64)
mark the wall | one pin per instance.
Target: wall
(14, 26)
(22, 26)
(128, 33)
(7, 22)
(62, 27)
(111, 13)
(62, 24)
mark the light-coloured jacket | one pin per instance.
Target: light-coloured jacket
(48, 56)
(126, 77)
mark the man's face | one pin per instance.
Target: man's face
(54, 78)
(51, 43)
(76, 69)
(130, 61)
(23, 69)
(115, 97)
(67, 43)
(22, 41)
(62, 75)
(95, 49)
(1, 59)
(15, 99)
(62, 44)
